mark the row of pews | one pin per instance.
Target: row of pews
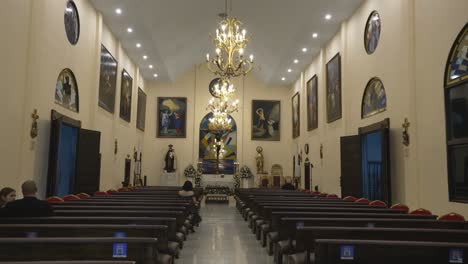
(140, 226)
(302, 227)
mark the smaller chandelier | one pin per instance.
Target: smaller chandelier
(230, 42)
(222, 109)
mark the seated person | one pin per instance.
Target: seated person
(187, 191)
(29, 206)
(7, 195)
(288, 185)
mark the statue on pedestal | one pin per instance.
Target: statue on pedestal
(169, 160)
(260, 160)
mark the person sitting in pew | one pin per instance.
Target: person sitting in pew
(7, 195)
(187, 191)
(288, 185)
(29, 206)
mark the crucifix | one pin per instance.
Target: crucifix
(34, 128)
(406, 139)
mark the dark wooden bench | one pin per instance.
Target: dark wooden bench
(71, 262)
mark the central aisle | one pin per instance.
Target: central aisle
(223, 238)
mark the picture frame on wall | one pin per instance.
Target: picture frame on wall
(66, 91)
(107, 80)
(374, 99)
(266, 120)
(141, 110)
(372, 32)
(312, 103)
(333, 73)
(71, 21)
(171, 117)
(296, 118)
(126, 84)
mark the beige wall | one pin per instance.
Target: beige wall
(410, 59)
(194, 85)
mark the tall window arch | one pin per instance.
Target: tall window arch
(456, 111)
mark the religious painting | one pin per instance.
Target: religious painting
(172, 115)
(372, 32)
(66, 90)
(141, 110)
(72, 22)
(457, 63)
(266, 120)
(107, 80)
(126, 96)
(296, 119)
(312, 103)
(334, 89)
(374, 99)
(218, 152)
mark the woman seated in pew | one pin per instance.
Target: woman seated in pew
(7, 195)
(29, 206)
(187, 191)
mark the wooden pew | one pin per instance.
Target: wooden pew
(328, 251)
(70, 262)
(140, 250)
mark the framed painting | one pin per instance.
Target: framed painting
(126, 96)
(107, 80)
(372, 32)
(141, 110)
(266, 119)
(66, 91)
(312, 103)
(296, 118)
(172, 114)
(374, 100)
(334, 88)
(71, 20)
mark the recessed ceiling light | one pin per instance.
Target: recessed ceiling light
(296, 61)
(118, 11)
(155, 75)
(145, 57)
(138, 45)
(129, 30)
(304, 49)
(151, 66)
(328, 16)
(315, 35)
(289, 70)
(283, 79)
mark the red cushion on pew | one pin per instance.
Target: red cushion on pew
(323, 195)
(332, 196)
(350, 198)
(71, 197)
(54, 199)
(111, 191)
(421, 211)
(123, 189)
(362, 200)
(378, 203)
(452, 217)
(83, 195)
(315, 193)
(400, 207)
(100, 193)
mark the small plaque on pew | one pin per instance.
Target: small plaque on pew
(31, 234)
(347, 252)
(299, 224)
(456, 255)
(371, 225)
(119, 249)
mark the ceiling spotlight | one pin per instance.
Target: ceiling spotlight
(155, 75)
(315, 35)
(145, 57)
(304, 49)
(129, 30)
(283, 79)
(118, 11)
(328, 16)
(296, 61)
(151, 66)
(138, 45)
(289, 70)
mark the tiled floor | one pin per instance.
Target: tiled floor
(223, 238)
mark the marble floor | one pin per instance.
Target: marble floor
(222, 238)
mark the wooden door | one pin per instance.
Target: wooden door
(88, 162)
(351, 178)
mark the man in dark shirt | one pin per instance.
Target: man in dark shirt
(29, 206)
(288, 185)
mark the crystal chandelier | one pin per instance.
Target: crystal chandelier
(230, 42)
(221, 109)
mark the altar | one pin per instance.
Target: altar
(221, 180)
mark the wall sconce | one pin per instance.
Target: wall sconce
(321, 151)
(405, 135)
(34, 129)
(115, 147)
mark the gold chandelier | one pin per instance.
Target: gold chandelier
(230, 42)
(222, 108)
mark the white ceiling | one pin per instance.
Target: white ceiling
(175, 33)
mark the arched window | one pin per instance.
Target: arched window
(456, 111)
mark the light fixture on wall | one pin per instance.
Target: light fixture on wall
(230, 41)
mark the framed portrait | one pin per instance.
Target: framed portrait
(66, 91)
(141, 110)
(107, 80)
(126, 96)
(374, 100)
(71, 21)
(296, 118)
(266, 120)
(312, 103)
(334, 88)
(372, 32)
(172, 117)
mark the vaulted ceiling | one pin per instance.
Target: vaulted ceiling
(174, 34)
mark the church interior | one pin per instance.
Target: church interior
(234, 131)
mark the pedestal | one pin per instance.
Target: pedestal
(245, 183)
(169, 179)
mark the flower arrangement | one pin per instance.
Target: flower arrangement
(190, 172)
(245, 172)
